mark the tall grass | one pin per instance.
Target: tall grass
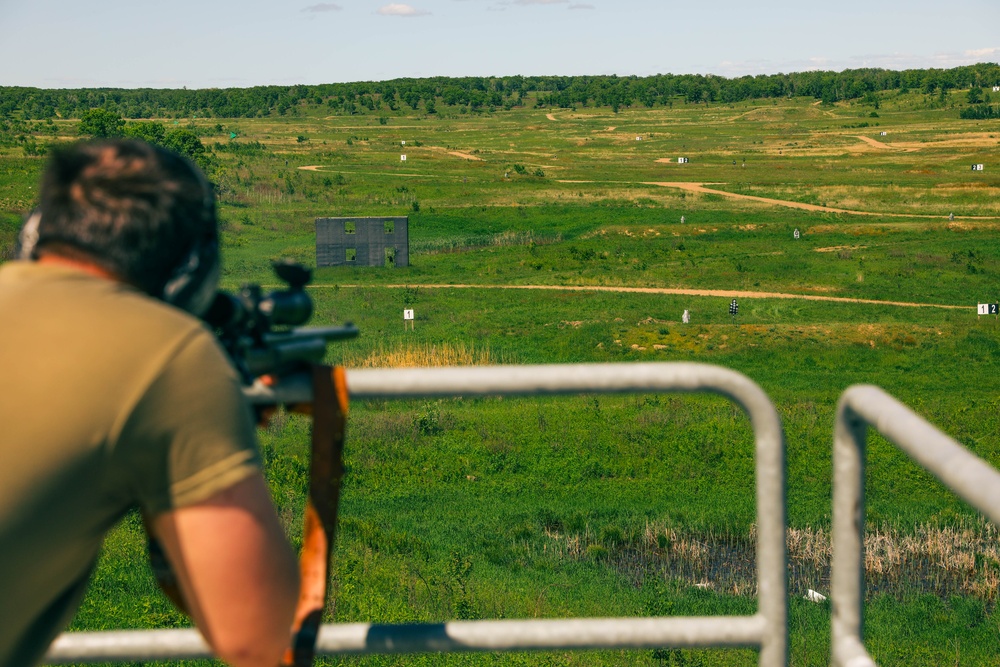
(403, 355)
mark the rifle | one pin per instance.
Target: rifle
(261, 332)
(280, 363)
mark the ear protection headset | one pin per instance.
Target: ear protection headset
(193, 284)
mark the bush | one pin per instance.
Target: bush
(979, 112)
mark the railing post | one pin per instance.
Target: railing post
(847, 577)
(971, 478)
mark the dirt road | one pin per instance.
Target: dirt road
(728, 294)
(700, 187)
(466, 156)
(875, 143)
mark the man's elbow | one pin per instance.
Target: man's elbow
(263, 643)
(252, 652)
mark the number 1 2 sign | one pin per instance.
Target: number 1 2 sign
(988, 308)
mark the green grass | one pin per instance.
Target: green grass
(552, 507)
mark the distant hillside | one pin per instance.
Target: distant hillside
(476, 94)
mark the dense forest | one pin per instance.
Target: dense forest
(477, 94)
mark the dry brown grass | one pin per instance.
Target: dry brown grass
(421, 355)
(962, 559)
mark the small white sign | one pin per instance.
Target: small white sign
(977, 167)
(988, 309)
(883, 133)
(402, 158)
(682, 160)
(408, 314)
(402, 143)
(796, 233)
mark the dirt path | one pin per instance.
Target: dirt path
(312, 167)
(729, 294)
(550, 116)
(467, 156)
(700, 187)
(875, 143)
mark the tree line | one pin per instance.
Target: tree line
(485, 93)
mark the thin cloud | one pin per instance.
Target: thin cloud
(322, 7)
(397, 9)
(988, 52)
(539, 2)
(581, 5)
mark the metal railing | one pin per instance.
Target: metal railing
(961, 471)
(767, 629)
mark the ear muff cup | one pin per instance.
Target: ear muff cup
(193, 285)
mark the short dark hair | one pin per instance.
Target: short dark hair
(134, 209)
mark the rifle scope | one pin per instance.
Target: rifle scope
(261, 332)
(251, 310)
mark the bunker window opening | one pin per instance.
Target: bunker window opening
(389, 227)
(351, 254)
(349, 227)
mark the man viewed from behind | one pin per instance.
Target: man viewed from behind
(115, 396)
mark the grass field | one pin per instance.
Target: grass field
(594, 506)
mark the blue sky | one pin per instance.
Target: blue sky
(220, 43)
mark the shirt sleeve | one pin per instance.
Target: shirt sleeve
(191, 434)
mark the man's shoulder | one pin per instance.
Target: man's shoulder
(87, 304)
(92, 329)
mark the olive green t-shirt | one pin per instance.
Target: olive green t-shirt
(108, 400)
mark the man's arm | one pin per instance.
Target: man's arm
(236, 571)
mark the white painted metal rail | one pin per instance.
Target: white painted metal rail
(961, 471)
(767, 629)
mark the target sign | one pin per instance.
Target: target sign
(988, 309)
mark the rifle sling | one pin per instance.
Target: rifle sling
(326, 472)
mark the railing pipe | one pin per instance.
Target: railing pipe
(963, 472)
(767, 629)
(466, 636)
